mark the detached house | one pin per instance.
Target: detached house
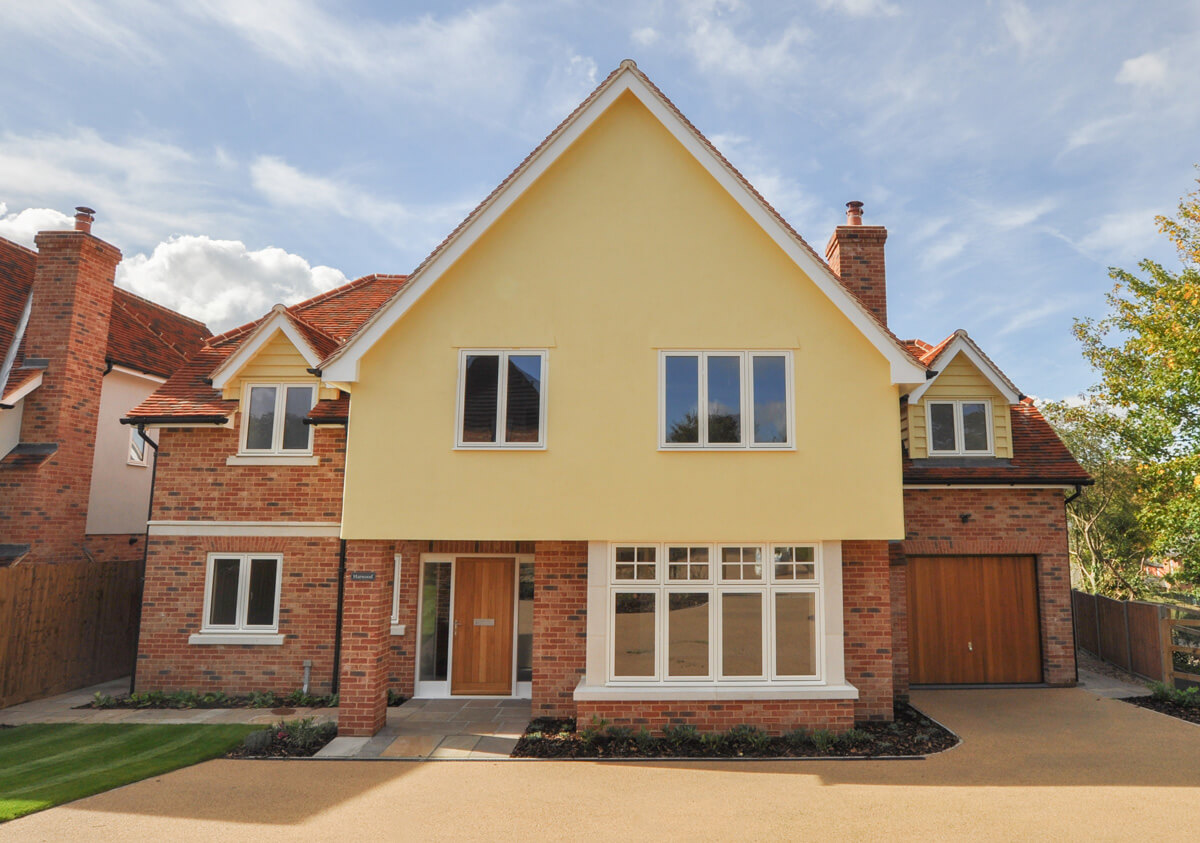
(623, 444)
(76, 355)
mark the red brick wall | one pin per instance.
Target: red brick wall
(867, 608)
(855, 252)
(46, 505)
(173, 606)
(366, 638)
(899, 586)
(124, 547)
(1005, 521)
(195, 484)
(773, 716)
(559, 626)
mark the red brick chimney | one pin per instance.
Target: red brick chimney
(855, 253)
(67, 334)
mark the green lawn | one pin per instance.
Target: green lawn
(46, 764)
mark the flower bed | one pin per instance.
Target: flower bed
(910, 734)
(1184, 704)
(216, 699)
(287, 739)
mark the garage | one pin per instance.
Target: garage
(973, 620)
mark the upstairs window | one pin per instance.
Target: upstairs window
(274, 419)
(137, 449)
(725, 399)
(960, 428)
(501, 399)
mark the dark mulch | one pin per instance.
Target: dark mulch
(1189, 713)
(186, 700)
(911, 734)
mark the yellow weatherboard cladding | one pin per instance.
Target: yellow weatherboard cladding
(277, 361)
(623, 247)
(959, 380)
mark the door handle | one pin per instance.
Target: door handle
(457, 624)
(970, 646)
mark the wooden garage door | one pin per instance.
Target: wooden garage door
(973, 620)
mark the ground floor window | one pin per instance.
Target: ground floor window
(241, 592)
(754, 616)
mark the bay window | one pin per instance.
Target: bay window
(675, 617)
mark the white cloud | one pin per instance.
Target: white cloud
(861, 8)
(284, 185)
(1146, 71)
(946, 248)
(1120, 235)
(646, 36)
(222, 282)
(22, 226)
(716, 46)
(1097, 131)
(90, 29)
(1019, 22)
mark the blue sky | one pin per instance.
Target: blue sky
(245, 153)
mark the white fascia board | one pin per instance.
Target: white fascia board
(19, 393)
(279, 321)
(125, 370)
(962, 345)
(342, 365)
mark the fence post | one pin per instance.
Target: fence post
(1164, 625)
(1096, 615)
(1128, 643)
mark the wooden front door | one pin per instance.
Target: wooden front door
(973, 620)
(482, 660)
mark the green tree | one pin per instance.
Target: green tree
(1108, 544)
(1147, 353)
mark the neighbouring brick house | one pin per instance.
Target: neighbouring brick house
(76, 354)
(624, 445)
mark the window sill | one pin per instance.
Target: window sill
(271, 459)
(261, 639)
(499, 447)
(717, 449)
(710, 691)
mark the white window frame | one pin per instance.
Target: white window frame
(501, 399)
(397, 627)
(747, 401)
(716, 586)
(959, 440)
(135, 440)
(240, 625)
(276, 449)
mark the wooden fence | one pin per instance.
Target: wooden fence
(66, 625)
(1130, 634)
(1181, 653)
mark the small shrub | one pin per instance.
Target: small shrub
(1185, 697)
(750, 737)
(305, 734)
(184, 699)
(854, 737)
(681, 736)
(713, 742)
(1159, 690)
(100, 700)
(592, 732)
(618, 734)
(263, 699)
(643, 739)
(798, 738)
(394, 697)
(823, 739)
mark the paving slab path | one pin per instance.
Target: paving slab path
(1035, 764)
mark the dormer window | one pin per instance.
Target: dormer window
(273, 419)
(960, 428)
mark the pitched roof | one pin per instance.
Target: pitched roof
(142, 335)
(1039, 457)
(940, 355)
(325, 320)
(626, 78)
(150, 338)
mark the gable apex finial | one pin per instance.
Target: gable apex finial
(629, 64)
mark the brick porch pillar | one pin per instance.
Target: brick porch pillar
(366, 619)
(867, 599)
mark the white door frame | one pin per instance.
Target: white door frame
(440, 689)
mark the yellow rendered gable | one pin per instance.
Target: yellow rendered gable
(276, 362)
(959, 380)
(623, 247)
